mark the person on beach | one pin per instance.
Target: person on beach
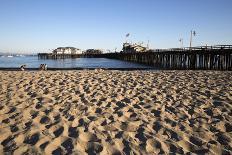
(22, 68)
(43, 67)
(40, 67)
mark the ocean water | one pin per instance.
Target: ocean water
(34, 62)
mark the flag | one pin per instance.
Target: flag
(127, 35)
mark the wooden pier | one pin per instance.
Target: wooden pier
(206, 58)
(58, 56)
(67, 56)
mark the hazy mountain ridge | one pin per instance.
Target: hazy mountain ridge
(15, 54)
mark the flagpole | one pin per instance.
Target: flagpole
(193, 33)
(191, 37)
(181, 40)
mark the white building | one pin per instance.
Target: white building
(66, 50)
(133, 48)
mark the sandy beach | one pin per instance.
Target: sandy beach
(115, 112)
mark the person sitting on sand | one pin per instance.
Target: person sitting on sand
(22, 68)
(43, 67)
(98, 70)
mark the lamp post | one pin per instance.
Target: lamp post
(181, 40)
(148, 44)
(193, 33)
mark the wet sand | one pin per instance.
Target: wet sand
(115, 112)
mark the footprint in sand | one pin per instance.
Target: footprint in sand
(43, 146)
(14, 128)
(154, 146)
(157, 126)
(72, 132)
(6, 121)
(32, 139)
(28, 125)
(45, 120)
(140, 135)
(58, 151)
(9, 144)
(58, 132)
(94, 148)
(68, 145)
(34, 114)
(38, 106)
(156, 113)
(11, 110)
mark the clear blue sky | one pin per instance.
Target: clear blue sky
(39, 25)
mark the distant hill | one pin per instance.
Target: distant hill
(15, 54)
(5, 54)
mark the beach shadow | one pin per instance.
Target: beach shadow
(12, 109)
(44, 145)
(9, 145)
(222, 139)
(156, 113)
(58, 151)
(14, 128)
(94, 148)
(14, 115)
(6, 121)
(126, 148)
(175, 150)
(119, 134)
(33, 139)
(58, 132)
(196, 141)
(140, 135)
(44, 120)
(68, 145)
(34, 114)
(172, 135)
(28, 125)
(72, 132)
(120, 104)
(98, 110)
(157, 126)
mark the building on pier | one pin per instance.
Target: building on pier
(133, 48)
(66, 50)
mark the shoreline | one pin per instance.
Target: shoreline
(109, 69)
(75, 68)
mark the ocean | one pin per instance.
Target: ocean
(34, 62)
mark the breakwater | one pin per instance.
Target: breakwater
(207, 58)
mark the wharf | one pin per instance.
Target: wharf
(217, 57)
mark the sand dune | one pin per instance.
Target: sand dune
(115, 112)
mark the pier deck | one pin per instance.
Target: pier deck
(205, 57)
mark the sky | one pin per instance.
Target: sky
(31, 26)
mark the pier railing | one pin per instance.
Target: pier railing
(217, 57)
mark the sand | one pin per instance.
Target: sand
(115, 112)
